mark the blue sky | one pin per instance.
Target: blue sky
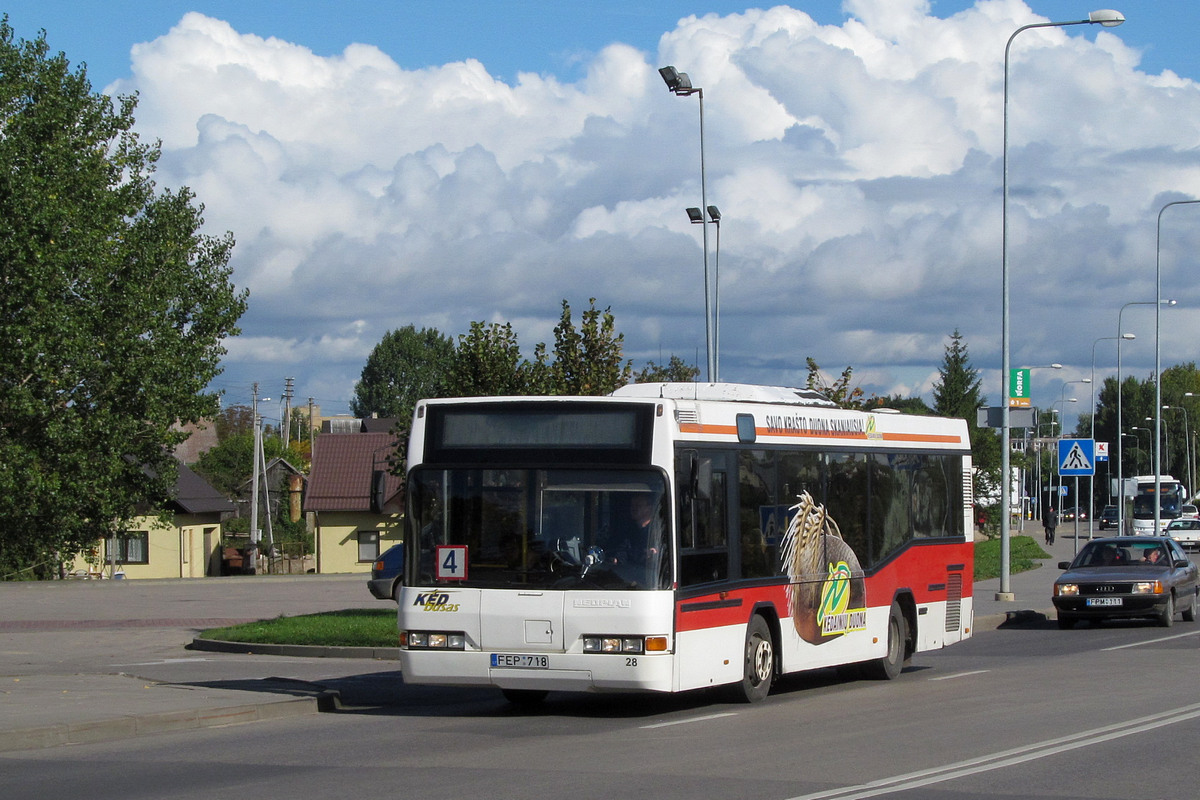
(508, 36)
(373, 179)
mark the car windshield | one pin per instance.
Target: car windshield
(555, 528)
(1110, 554)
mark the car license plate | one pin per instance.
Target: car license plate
(1104, 601)
(515, 661)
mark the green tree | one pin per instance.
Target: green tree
(113, 309)
(676, 371)
(956, 393)
(406, 366)
(234, 419)
(229, 464)
(487, 362)
(839, 391)
(587, 360)
(1137, 403)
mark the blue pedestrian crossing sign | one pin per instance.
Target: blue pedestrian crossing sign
(1076, 457)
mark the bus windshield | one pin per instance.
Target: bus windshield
(547, 528)
(1143, 504)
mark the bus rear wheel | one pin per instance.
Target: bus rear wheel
(758, 671)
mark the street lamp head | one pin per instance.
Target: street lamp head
(695, 216)
(677, 82)
(714, 213)
(1056, 366)
(1107, 17)
(1169, 302)
(1128, 336)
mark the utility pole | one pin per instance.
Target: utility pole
(311, 428)
(255, 534)
(287, 411)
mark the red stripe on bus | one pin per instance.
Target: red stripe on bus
(730, 430)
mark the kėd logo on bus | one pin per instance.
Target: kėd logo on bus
(435, 601)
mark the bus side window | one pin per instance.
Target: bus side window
(702, 523)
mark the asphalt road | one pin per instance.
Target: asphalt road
(1022, 711)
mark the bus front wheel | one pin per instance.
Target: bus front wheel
(890, 665)
(758, 671)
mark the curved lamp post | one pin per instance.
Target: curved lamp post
(1109, 19)
(1120, 397)
(1158, 364)
(680, 85)
(1187, 455)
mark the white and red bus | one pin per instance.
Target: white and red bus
(1172, 496)
(675, 536)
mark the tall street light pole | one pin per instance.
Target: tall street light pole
(1021, 500)
(1120, 398)
(1191, 453)
(681, 85)
(1092, 482)
(1158, 364)
(696, 217)
(1109, 19)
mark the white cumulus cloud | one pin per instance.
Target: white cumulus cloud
(856, 166)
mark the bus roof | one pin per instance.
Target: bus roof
(726, 392)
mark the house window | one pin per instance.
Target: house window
(368, 546)
(130, 547)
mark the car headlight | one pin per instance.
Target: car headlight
(1148, 587)
(1066, 589)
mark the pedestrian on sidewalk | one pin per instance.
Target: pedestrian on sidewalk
(1049, 523)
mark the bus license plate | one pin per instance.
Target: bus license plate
(514, 661)
(1104, 601)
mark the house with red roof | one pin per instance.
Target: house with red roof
(354, 502)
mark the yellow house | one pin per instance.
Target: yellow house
(188, 547)
(355, 503)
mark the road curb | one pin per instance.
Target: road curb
(297, 650)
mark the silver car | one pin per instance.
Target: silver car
(1127, 576)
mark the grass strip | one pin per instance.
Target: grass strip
(355, 627)
(1023, 552)
(369, 627)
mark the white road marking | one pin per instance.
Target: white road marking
(1151, 641)
(960, 675)
(688, 721)
(1007, 758)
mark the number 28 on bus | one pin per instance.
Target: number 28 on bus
(673, 537)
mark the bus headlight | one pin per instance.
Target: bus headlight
(433, 640)
(604, 643)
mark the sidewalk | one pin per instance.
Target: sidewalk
(38, 711)
(45, 711)
(1033, 588)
